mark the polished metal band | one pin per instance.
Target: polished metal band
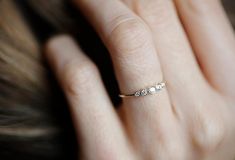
(146, 91)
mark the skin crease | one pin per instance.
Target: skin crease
(192, 119)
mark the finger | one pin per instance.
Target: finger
(94, 118)
(213, 40)
(187, 87)
(137, 66)
(181, 71)
(128, 40)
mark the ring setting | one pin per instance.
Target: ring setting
(146, 91)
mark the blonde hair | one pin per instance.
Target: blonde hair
(33, 118)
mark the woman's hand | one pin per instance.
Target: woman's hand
(191, 119)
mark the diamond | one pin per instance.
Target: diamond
(137, 94)
(162, 84)
(144, 92)
(159, 87)
(152, 90)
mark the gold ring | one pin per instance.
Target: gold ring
(146, 91)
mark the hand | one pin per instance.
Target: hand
(191, 119)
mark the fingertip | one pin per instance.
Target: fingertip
(58, 42)
(60, 49)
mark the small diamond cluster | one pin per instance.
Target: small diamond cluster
(150, 90)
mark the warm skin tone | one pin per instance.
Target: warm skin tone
(192, 119)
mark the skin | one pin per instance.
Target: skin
(188, 43)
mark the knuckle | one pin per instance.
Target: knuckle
(171, 150)
(77, 77)
(106, 151)
(209, 133)
(197, 7)
(157, 7)
(176, 153)
(107, 155)
(128, 35)
(167, 146)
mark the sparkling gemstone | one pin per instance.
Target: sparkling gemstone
(158, 86)
(144, 92)
(152, 90)
(137, 93)
(162, 84)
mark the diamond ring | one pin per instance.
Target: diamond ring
(146, 91)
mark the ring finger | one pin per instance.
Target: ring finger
(136, 65)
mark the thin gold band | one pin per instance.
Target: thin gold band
(146, 91)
